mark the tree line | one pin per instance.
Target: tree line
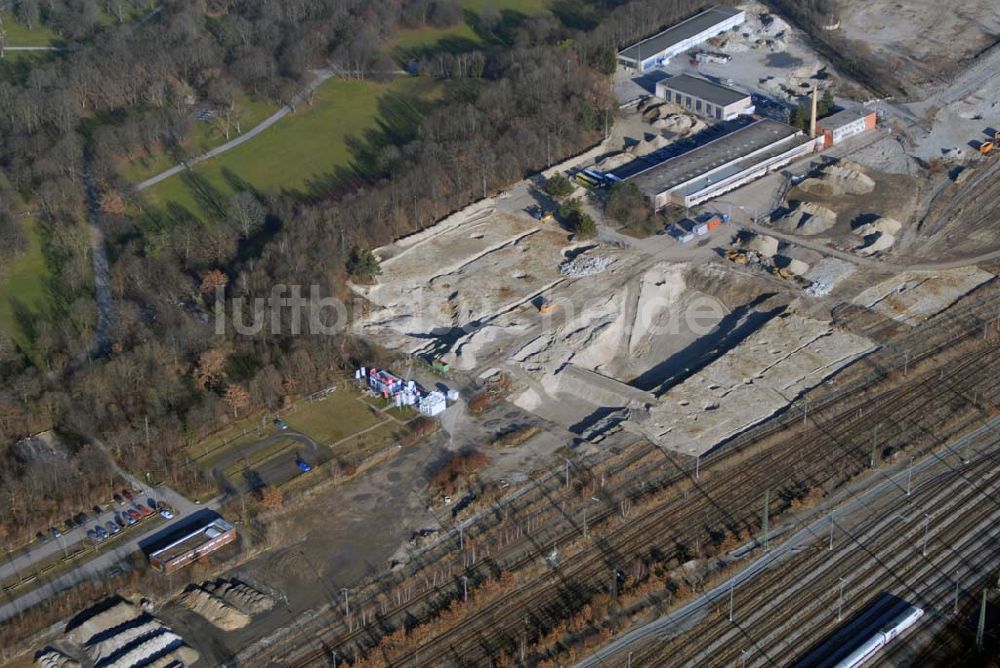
(536, 92)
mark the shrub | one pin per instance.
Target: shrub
(558, 186)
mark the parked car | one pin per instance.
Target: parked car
(151, 502)
(41, 538)
(129, 520)
(166, 514)
(118, 499)
(81, 519)
(127, 494)
(280, 424)
(120, 521)
(92, 536)
(101, 532)
(134, 514)
(144, 511)
(304, 465)
(55, 533)
(113, 528)
(69, 524)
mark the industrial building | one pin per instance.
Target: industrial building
(705, 98)
(660, 48)
(723, 164)
(842, 125)
(206, 538)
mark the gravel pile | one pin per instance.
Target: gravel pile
(589, 265)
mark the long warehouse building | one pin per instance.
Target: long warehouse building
(660, 48)
(723, 164)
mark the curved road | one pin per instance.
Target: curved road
(321, 77)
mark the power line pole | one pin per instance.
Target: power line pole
(982, 623)
(874, 445)
(909, 476)
(767, 501)
(956, 594)
(840, 601)
(732, 585)
(831, 532)
(927, 523)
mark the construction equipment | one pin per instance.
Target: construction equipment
(545, 306)
(739, 257)
(987, 147)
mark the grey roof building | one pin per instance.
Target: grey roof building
(658, 49)
(704, 97)
(723, 164)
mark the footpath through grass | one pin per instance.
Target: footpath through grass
(316, 148)
(22, 286)
(204, 136)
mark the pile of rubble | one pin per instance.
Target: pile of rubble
(584, 265)
(118, 634)
(228, 604)
(808, 218)
(845, 178)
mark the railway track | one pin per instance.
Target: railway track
(503, 617)
(330, 633)
(773, 616)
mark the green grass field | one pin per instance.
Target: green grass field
(23, 280)
(19, 35)
(204, 136)
(303, 151)
(332, 419)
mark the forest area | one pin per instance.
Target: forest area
(122, 84)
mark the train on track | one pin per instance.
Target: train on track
(871, 646)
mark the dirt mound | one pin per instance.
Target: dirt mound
(680, 124)
(647, 147)
(763, 244)
(614, 161)
(881, 226)
(240, 595)
(876, 243)
(53, 658)
(845, 178)
(653, 112)
(214, 609)
(797, 267)
(808, 218)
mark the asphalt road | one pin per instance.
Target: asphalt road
(688, 615)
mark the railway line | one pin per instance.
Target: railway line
(732, 495)
(776, 614)
(504, 615)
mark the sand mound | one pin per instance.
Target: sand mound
(214, 609)
(876, 243)
(845, 178)
(653, 112)
(797, 267)
(763, 244)
(808, 218)
(240, 595)
(53, 658)
(614, 161)
(681, 124)
(880, 226)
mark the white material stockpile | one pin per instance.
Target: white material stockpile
(433, 404)
(131, 637)
(584, 265)
(750, 383)
(53, 658)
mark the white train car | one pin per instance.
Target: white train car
(872, 645)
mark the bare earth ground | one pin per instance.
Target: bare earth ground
(926, 39)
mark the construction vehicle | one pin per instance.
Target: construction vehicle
(739, 257)
(545, 306)
(987, 147)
